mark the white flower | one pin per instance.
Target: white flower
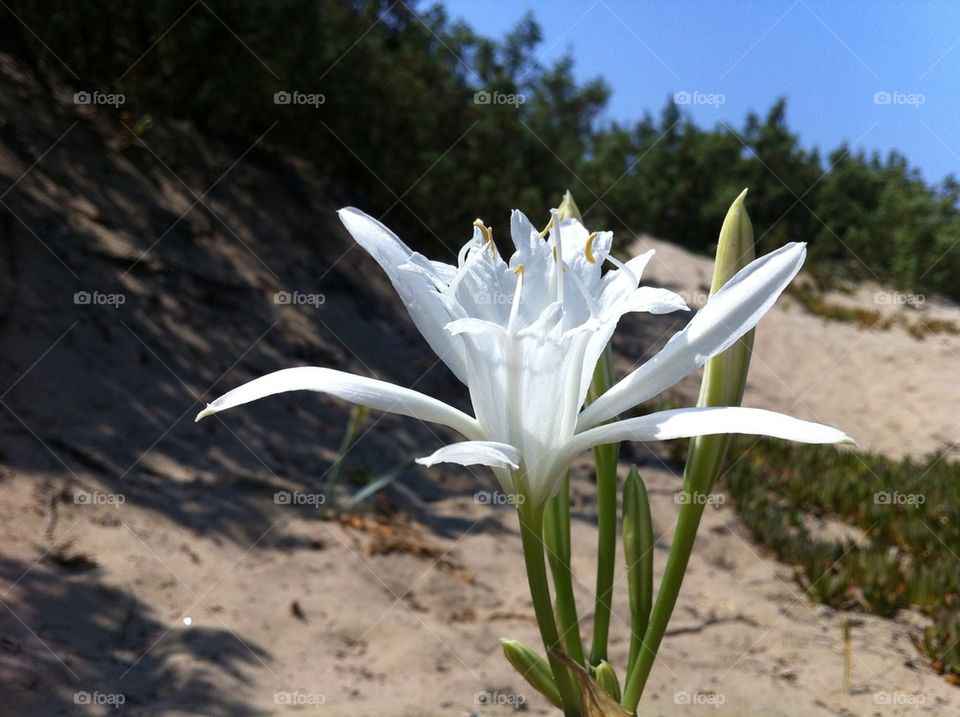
(525, 337)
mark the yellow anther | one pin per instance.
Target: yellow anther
(487, 235)
(518, 269)
(588, 249)
(547, 228)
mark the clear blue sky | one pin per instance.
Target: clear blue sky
(829, 58)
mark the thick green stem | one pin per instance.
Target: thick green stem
(531, 530)
(556, 537)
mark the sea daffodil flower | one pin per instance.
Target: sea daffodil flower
(525, 335)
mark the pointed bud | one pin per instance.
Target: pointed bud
(606, 677)
(568, 208)
(533, 668)
(725, 375)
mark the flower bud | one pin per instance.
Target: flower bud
(533, 668)
(606, 677)
(725, 375)
(568, 208)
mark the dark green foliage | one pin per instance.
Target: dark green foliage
(401, 130)
(908, 510)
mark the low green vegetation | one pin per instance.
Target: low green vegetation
(899, 521)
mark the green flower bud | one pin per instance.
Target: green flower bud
(606, 677)
(568, 208)
(533, 668)
(725, 375)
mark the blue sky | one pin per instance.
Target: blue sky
(830, 59)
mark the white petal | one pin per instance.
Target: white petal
(417, 292)
(654, 301)
(363, 391)
(472, 453)
(727, 316)
(688, 422)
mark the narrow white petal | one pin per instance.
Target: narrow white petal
(654, 301)
(363, 391)
(417, 291)
(688, 422)
(727, 316)
(472, 453)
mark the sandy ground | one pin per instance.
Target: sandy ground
(145, 556)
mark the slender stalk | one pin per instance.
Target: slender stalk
(672, 579)
(605, 458)
(605, 461)
(556, 537)
(531, 529)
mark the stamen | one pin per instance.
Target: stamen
(488, 236)
(588, 249)
(620, 265)
(547, 228)
(515, 306)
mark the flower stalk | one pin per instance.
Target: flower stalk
(724, 380)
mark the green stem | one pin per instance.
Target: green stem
(556, 536)
(605, 459)
(683, 538)
(531, 530)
